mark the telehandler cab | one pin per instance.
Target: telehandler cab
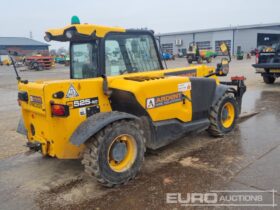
(120, 100)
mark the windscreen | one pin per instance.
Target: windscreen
(83, 60)
(130, 53)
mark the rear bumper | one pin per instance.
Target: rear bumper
(259, 70)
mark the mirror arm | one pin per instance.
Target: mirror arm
(15, 68)
(212, 74)
(229, 55)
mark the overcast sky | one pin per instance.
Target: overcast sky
(19, 17)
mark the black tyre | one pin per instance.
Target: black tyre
(189, 61)
(223, 115)
(208, 60)
(115, 154)
(269, 79)
(35, 66)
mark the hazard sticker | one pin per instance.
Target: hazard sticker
(184, 86)
(163, 100)
(71, 93)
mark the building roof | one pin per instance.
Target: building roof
(20, 41)
(222, 29)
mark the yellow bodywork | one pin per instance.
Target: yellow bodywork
(87, 29)
(54, 132)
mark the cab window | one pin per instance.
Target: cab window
(83, 60)
(125, 53)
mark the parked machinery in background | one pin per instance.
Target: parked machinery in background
(239, 54)
(196, 55)
(5, 60)
(268, 63)
(167, 56)
(39, 62)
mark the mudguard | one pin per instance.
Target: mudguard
(95, 123)
(219, 92)
(21, 128)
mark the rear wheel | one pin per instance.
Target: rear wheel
(223, 116)
(269, 79)
(116, 153)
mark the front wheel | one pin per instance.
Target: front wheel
(115, 154)
(223, 115)
(269, 79)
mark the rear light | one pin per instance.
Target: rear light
(257, 58)
(59, 110)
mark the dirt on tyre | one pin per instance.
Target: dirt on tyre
(116, 153)
(223, 115)
(269, 79)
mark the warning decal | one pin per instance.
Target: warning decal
(71, 93)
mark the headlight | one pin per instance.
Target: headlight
(69, 34)
(47, 37)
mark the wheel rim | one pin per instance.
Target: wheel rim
(227, 115)
(122, 153)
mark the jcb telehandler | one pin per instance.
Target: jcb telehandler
(120, 100)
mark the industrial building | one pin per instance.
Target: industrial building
(247, 37)
(22, 46)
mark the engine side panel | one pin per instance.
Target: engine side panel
(161, 98)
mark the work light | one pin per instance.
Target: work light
(47, 37)
(69, 34)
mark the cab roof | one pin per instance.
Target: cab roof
(84, 30)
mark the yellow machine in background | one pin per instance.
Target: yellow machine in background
(120, 101)
(5, 60)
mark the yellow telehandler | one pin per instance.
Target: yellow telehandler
(120, 100)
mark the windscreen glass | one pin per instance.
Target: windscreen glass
(129, 54)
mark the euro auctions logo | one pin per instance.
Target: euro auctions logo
(192, 198)
(233, 198)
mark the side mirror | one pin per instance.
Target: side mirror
(223, 67)
(225, 50)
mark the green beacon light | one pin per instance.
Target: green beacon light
(75, 20)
